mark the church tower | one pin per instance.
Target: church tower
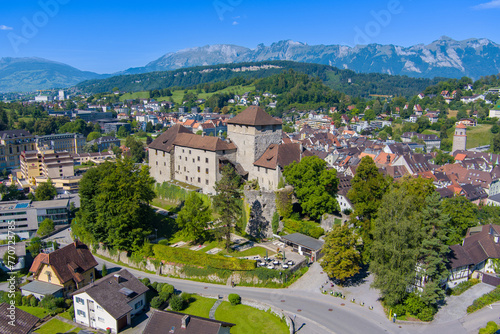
(252, 131)
(459, 138)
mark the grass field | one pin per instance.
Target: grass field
(177, 95)
(200, 307)
(250, 320)
(36, 311)
(479, 135)
(55, 326)
(452, 113)
(252, 252)
(430, 132)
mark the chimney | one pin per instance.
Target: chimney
(185, 321)
(117, 278)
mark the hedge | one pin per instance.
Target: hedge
(305, 227)
(194, 258)
(464, 286)
(484, 300)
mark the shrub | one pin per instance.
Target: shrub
(464, 286)
(146, 281)
(427, 314)
(25, 301)
(414, 304)
(491, 328)
(399, 309)
(68, 302)
(34, 302)
(168, 288)
(104, 270)
(156, 302)
(154, 285)
(18, 298)
(164, 295)
(176, 303)
(71, 311)
(163, 242)
(305, 227)
(234, 299)
(186, 297)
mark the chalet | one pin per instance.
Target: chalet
(61, 272)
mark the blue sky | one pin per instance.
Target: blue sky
(107, 36)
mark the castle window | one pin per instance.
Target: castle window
(199, 180)
(184, 168)
(182, 150)
(206, 170)
(198, 158)
(157, 163)
(206, 160)
(198, 169)
(189, 151)
(206, 182)
(156, 152)
(186, 178)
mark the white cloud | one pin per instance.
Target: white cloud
(235, 23)
(488, 5)
(3, 27)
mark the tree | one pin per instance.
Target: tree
(395, 247)
(137, 151)
(433, 250)
(443, 158)
(275, 222)
(46, 191)
(368, 187)
(176, 303)
(227, 201)
(46, 227)
(463, 215)
(122, 132)
(11, 193)
(315, 186)
(193, 217)
(496, 143)
(35, 246)
(10, 260)
(115, 205)
(93, 135)
(104, 270)
(341, 258)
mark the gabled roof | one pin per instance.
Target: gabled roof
(68, 262)
(304, 240)
(254, 116)
(162, 322)
(459, 257)
(279, 155)
(23, 321)
(200, 142)
(165, 141)
(114, 291)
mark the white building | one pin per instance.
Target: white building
(110, 302)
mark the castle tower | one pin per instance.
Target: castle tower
(459, 138)
(252, 131)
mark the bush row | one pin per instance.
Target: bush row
(464, 286)
(305, 227)
(187, 256)
(484, 300)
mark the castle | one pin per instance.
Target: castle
(459, 138)
(253, 147)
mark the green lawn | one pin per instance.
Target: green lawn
(430, 132)
(250, 320)
(136, 95)
(55, 326)
(200, 307)
(479, 135)
(67, 315)
(36, 311)
(254, 251)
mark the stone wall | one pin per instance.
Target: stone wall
(266, 201)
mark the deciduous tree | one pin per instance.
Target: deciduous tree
(46, 227)
(46, 191)
(194, 216)
(341, 258)
(315, 186)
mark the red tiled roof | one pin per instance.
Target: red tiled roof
(279, 155)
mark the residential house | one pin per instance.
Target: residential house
(21, 323)
(110, 302)
(61, 272)
(160, 322)
(474, 257)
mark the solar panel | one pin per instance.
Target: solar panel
(126, 291)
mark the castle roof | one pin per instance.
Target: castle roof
(202, 142)
(165, 141)
(255, 116)
(461, 126)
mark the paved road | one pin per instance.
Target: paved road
(315, 316)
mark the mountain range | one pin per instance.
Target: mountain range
(30, 74)
(444, 57)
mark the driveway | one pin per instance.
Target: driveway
(456, 306)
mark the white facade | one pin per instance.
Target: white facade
(89, 313)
